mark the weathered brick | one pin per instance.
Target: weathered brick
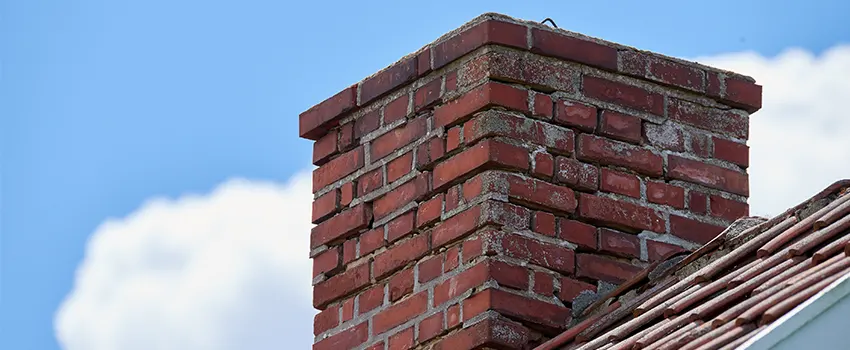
(667, 194)
(453, 316)
(534, 71)
(341, 225)
(372, 240)
(400, 284)
(619, 243)
(517, 306)
(452, 258)
(460, 283)
(543, 106)
(496, 123)
(487, 32)
(401, 226)
(621, 183)
(398, 138)
(337, 168)
(410, 191)
(485, 154)
(403, 340)
(677, 74)
(542, 193)
(543, 284)
(713, 86)
(325, 320)
(371, 298)
(571, 288)
(491, 332)
(313, 123)
(624, 95)
(427, 95)
(346, 136)
(400, 313)
(620, 126)
(328, 260)
(429, 152)
(743, 94)
(668, 135)
(701, 144)
(602, 268)
(633, 62)
(451, 81)
(430, 327)
(574, 49)
(453, 198)
(728, 209)
(544, 223)
(429, 211)
(369, 182)
(340, 285)
(578, 175)
(453, 137)
(423, 61)
(456, 226)
(619, 213)
(430, 268)
(325, 205)
(367, 123)
(399, 255)
(547, 255)
(349, 251)
(324, 148)
(577, 115)
(347, 339)
(397, 109)
(577, 232)
(399, 167)
(508, 275)
(609, 152)
(657, 251)
(707, 175)
(489, 94)
(707, 118)
(692, 230)
(347, 310)
(388, 80)
(544, 165)
(730, 151)
(698, 202)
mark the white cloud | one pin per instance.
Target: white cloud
(227, 270)
(800, 139)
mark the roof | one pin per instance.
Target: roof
(725, 292)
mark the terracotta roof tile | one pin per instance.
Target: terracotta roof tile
(728, 290)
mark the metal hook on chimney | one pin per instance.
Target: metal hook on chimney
(550, 21)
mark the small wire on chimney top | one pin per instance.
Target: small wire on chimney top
(550, 21)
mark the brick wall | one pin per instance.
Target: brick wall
(483, 190)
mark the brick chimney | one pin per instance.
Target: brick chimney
(482, 191)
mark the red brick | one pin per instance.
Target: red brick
(325, 205)
(337, 168)
(423, 61)
(609, 152)
(312, 124)
(401, 226)
(452, 258)
(713, 86)
(487, 32)
(430, 327)
(367, 123)
(624, 95)
(497, 123)
(340, 285)
(397, 109)
(621, 183)
(508, 275)
(534, 71)
(701, 144)
(371, 241)
(659, 250)
(633, 63)
(571, 288)
(456, 227)
(517, 306)
(602, 268)
(453, 197)
(473, 248)
(402, 340)
(399, 167)
(453, 138)
(488, 153)
(346, 194)
(544, 223)
(669, 136)
(325, 320)
(575, 174)
(574, 114)
(369, 182)
(489, 94)
(707, 175)
(429, 152)
(399, 255)
(400, 313)
(711, 119)
(620, 213)
(543, 106)
(490, 333)
(347, 310)
(547, 255)
(341, 225)
(430, 268)
(346, 136)
(542, 193)
(619, 243)
(451, 81)
(388, 80)
(698, 202)
(347, 339)
(398, 138)
(371, 299)
(543, 284)
(743, 94)
(577, 232)
(459, 284)
(662, 193)
(677, 74)
(400, 196)
(324, 148)
(544, 165)
(349, 251)
(692, 230)
(620, 126)
(377, 346)
(731, 151)
(429, 211)
(728, 209)
(400, 284)
(453, 316)
(427, 95)
(574, 49)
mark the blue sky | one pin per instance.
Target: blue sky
(104, 104)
